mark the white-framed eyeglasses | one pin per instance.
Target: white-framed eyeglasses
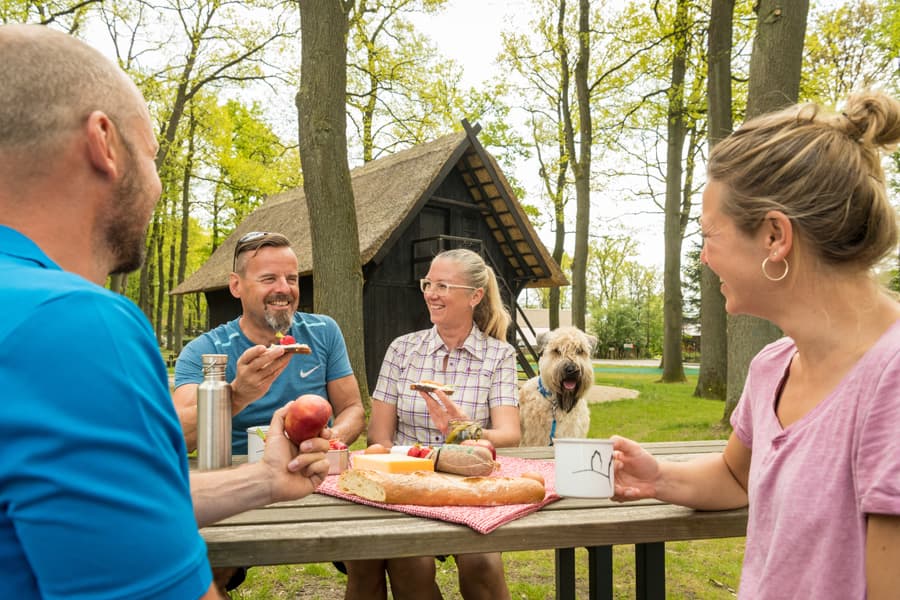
(439, 287)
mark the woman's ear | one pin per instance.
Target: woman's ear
(779, 234)
(476, 297)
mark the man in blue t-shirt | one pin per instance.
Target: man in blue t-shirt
(95, 494)
(265, 279)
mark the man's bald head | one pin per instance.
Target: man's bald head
(51, 83)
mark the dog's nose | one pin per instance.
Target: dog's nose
(571, 369)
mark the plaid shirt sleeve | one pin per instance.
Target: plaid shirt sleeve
(503, 384)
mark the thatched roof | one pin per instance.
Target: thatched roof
(389, 192)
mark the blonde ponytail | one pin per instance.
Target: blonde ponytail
(490, 314)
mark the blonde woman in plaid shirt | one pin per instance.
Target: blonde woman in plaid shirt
(467, 349)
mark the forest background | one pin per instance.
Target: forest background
(600, 104)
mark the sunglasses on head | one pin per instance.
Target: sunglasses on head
(255, 240)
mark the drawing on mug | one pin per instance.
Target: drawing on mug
(598, 466)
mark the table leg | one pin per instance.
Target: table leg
(650, 571)
(600, 575)
(565, 573)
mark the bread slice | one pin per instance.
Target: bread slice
(294, 348)
(431, 386)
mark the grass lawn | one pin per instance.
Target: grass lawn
(697, 569)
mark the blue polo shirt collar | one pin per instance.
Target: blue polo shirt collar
(20, 247)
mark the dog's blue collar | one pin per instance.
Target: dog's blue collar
(544, 391)
(547, 394)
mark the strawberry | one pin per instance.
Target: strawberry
(418, 451)
(335, 444)
(287, 339)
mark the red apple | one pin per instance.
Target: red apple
(306, 416)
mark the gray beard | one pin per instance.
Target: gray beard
(280, 322)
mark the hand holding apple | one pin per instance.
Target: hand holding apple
(306, 417)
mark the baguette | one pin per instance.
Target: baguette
(434, 489)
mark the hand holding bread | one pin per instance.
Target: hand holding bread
(441, 408)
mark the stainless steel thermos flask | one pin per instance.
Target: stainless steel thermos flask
(214, 414)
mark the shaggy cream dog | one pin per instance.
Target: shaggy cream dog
(552, 404)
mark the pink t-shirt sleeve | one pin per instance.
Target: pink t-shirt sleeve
(742, 417)
(877, 464)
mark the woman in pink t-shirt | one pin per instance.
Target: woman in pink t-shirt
(795, 217)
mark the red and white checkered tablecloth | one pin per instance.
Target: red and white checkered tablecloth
(482, 519)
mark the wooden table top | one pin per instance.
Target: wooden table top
(322, 528)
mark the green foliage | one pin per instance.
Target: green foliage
(246, 159)
(849, 47)
(626, 306)
(692, 270)
(69, 15)
(625, 322)
(402, 92)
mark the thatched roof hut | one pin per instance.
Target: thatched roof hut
(409, 205)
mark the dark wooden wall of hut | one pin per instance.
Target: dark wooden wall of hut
(393, 304)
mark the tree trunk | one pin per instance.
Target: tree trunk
(170, 276)
(558, 248)
(218, 208)
(371, 101)
(583, 170)
(118, 283)
(713, 377)
(673, 368)
(774, 83)
(160, 287)
(178, 325)
(145, 297)
(564, 126)
(322, 117)
(777, 55)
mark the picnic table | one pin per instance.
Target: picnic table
(322, 528)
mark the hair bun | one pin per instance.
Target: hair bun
(873, 117)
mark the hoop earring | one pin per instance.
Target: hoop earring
(787, 268)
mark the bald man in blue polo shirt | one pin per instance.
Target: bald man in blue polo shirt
(95, 495)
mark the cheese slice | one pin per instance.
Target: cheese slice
(392, 463)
